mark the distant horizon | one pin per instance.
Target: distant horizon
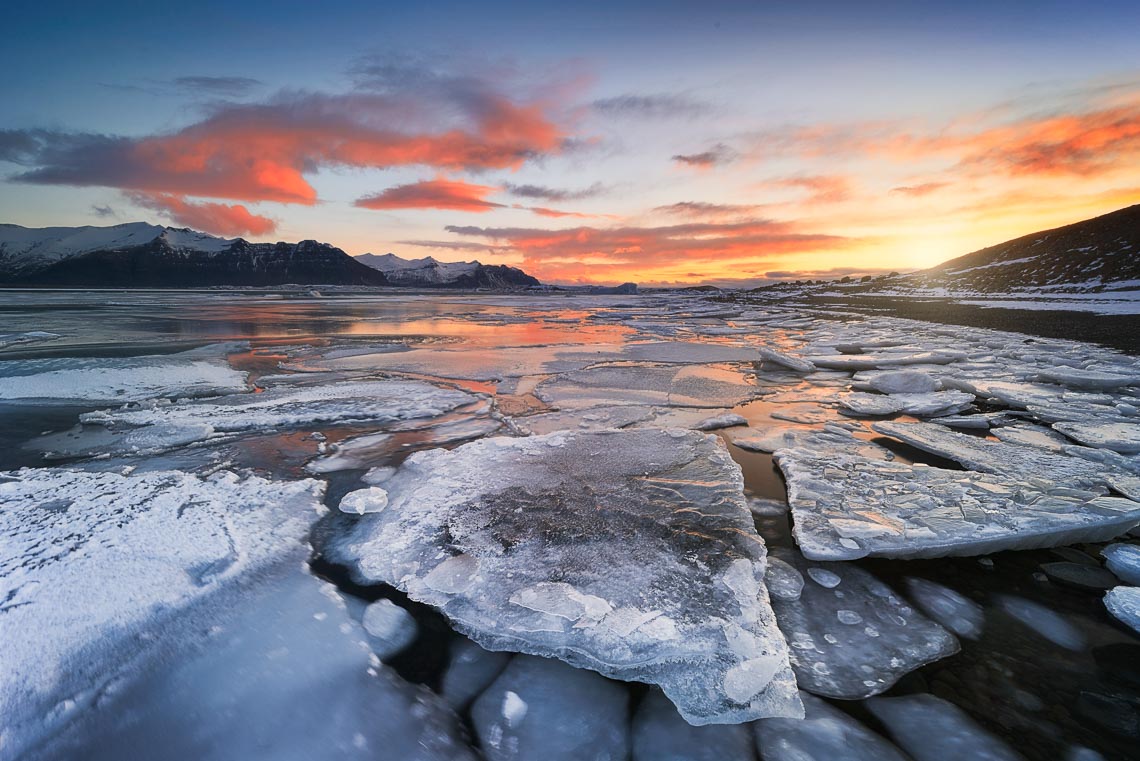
(659, 142)
(722, 283)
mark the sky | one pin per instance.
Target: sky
(731, 143)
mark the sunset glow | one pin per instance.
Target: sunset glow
(658, 143)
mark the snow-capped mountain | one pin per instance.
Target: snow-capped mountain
(138, 254)
(430, 272)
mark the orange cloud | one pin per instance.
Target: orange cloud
(439, 193)
(717, 155)
(917, 191)
(621, 252)
(217, 218)
(263, 151)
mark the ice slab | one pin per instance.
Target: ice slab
(902, 382)
(1098, 380)
(1119, 437)
(830, 438)
(931, 729)
(849, 635)
(359, 452)
(117, 380)
(956, 612)
(786, 360)
(918, 404)
(671, 385)
(847, 506)
(661, 734)
(28, 337)
(727, 420)
(283, 673)
(1050, 473)
(98, 560)
(1124, 561)
(628, 552)
(1124, 604)
(826, 733)
(884, 360)
(543, 709)
(163, 426)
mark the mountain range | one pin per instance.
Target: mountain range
(141, 255)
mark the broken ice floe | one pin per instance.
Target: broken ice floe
(101, 560)
(628, 552)
(928, 404)
(27, 338)
(847, 507)
(390, 628)
(1055, 474)
(160, 426)
(786, 360)
(1124, 561)
(1119, 437)
(849, 636)
(470, 669)
(679, 385)
(116, 380)
(826, 733)
(1124, 604)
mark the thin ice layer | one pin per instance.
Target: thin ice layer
(847, 506)
(849, 635)
(631, 553)
(99, 559)
(115, 380)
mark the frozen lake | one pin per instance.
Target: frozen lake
(448, 526)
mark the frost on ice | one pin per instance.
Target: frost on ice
(631, 553)
(116, 380)
(848, 634)
(99, 559)
(1124, 604)
(157, 426)
(848, 507)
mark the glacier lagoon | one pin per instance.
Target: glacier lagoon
(478, 525)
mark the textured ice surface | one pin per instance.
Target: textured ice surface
(957, 613)
(1124, 604)
(849, 635)
(359, 452)
(470, 669)
(902, 382)
(543, 709)
(94, 561)
(920, 404)
(786, 360)
(163, 425)
(1046, 622)
(930, 729)
(29, 337)
(830, 438)
(1119, 437)
(116, 380)
(1075, 377)
(825, 734)
(661, 734)
(283, 673)
(628, 552)
(390, 628)
(1124, 561)
(847, 507)
(727, 420)
(1056, 474)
